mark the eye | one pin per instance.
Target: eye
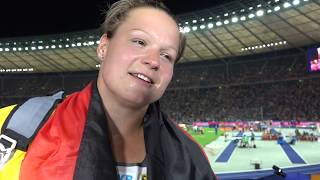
(166, 56)
(139, 42)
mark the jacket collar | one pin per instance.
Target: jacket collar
(95, 158)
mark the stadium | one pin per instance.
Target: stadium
(247, 87)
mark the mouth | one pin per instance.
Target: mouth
(142, 77)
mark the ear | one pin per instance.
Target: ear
(102, 47)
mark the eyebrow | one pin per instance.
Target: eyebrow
(141, 30)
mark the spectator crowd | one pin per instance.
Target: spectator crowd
(277, 88)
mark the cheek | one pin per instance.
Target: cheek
(167, 76)
(108, 69)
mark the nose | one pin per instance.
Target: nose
(152, 59)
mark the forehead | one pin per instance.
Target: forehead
(144, 10)
(154, 21)
(143, 15)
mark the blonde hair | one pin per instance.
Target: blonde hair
(119, 10)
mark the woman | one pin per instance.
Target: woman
(114, 127)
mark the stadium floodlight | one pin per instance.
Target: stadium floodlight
(226, 21)
(269, 11)
(92, 43)
(14, 49)
(98, 42)
(47, 47)
(260, 12)
(219, 23)
(226, 14)
(259, 5)
(6, 49)
(251, 16)
(277, 8)
(276, 0)
(19, 49)
(202, 19)
(276, 44)
(194, 28)
(296, 2)
(40, 47)
(60, 46)
(33, 48)
(284, 42)
(286, 4)
(67, 45)
(234, 19)
(186, 29)
(180, 29)
(210, 25)
(1, 49)
(79, 44)
(242, 49)
(53, 46)
(73, 45)
(186, 22)
(202, 26)
(243, 18)
(194, 21)
(280, 42)
(250, 8)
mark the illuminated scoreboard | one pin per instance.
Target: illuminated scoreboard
(314, 59)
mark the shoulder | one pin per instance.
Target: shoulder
(7, 108)
(191, 150)
(180, 134)
(4, 113)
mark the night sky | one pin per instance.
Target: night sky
(41, 17)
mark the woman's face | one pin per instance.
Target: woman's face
(137, 62)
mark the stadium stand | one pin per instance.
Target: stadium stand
(268, 86)
(215, 81)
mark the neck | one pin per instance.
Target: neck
(123, 120)
(126, 128)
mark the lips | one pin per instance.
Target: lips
(142, 77)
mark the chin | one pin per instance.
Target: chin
(135, 101)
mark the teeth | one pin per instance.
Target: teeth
(144, 78)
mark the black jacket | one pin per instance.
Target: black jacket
(171, 154)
